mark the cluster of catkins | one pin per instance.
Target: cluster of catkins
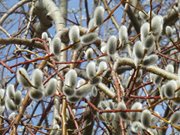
(137, 120)
(10, 98)
(75, 88)
(36, 89)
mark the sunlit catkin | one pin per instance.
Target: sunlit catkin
(122, 106)
(111, 45)
(51, 87)
(37, 78)
(89, 38)
(146, 118)
(145, 28)
(135, 116)
(150, 60)
(169, 89)
(149, 41)
(10, 105)
(56, 45)
(84, 90)
(22, 77)
(68, 91)
(89, 53)
(175, 118)
(170, 68)
(44, 36)
(157, 25)
(138, 50)
(91, 70)
(71, 78)
(136, 127)
(74, 34)
(123, 35)
(99, 15)
(17, 98)
(169, 31)
(10, 91)
(36, 94)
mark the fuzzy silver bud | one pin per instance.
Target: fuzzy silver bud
(44, 36)
(111, 45)
(56, 46)
(150, 60)
(22, 77)
(157, 25)
(99, 15)
(135, 116)
(89, 53)
(51, 87)
(169, 89)
(149, 41)
(146, 118)
(17, 98)
(37, 78)
(136, 126)
(71, 78)
(175, 118)
(36, 94)
(122, 106)
(73, 99)
(169, 31)
(123, 35)
(145, 28)
(10, 91)
(91, 69)
(170, 68)
(138, 50)
(10, 104)
(89, 38)
(74, 34)
(68, 91)
(84, 90)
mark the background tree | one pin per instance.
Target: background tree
(89, 67)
